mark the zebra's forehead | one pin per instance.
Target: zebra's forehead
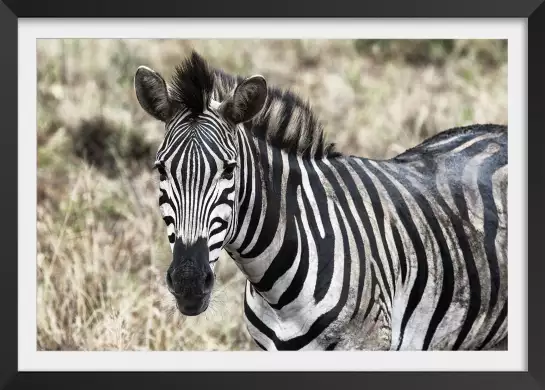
(206, 136)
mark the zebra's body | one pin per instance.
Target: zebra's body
(340, 252)
(413, 229)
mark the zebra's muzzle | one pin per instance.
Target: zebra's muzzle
(192, 308)
(190, 278)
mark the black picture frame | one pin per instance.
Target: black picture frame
(10, 10)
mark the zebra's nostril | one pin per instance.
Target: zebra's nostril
(209, 279)
(169, 280)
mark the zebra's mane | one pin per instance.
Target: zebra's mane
(192, 84)
(286, 121)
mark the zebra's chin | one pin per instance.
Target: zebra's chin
(193, 308)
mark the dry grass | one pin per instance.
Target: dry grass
(102, 246)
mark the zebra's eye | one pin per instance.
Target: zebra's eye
(228, 170)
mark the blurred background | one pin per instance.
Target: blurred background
(102, 246)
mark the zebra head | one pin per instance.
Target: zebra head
(197, 164)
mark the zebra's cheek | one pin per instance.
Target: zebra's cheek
(222, 211)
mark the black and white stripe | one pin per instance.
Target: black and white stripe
(343, 252)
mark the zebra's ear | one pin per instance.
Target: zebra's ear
(152, 94)
(246, 101)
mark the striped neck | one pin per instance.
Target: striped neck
(293, 217)
(270, 240)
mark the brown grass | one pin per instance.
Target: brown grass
(102, 246)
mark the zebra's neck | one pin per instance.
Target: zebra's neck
(266, 244)
(262, 225)
(316, 239)
(280, 236)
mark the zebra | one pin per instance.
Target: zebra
(339, 252)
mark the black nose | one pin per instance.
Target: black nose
(190, 279)
(170, 284)
(209, 280)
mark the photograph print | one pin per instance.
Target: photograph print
(248, 195)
